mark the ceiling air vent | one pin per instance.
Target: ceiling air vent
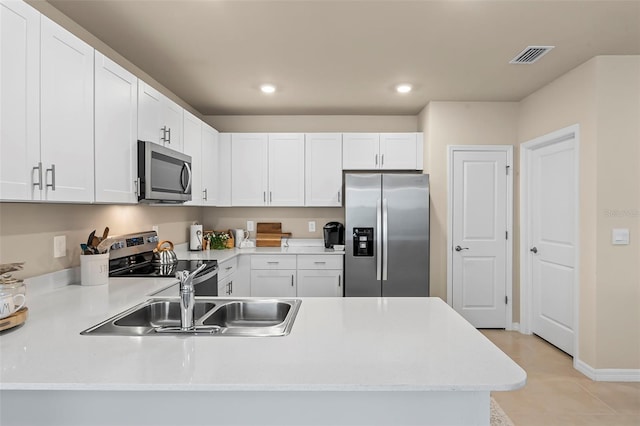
(531, 54)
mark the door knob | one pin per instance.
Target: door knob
(534, 250)
(458, 248)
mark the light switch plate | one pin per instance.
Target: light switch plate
(312, 226)
(250, 225)
(620, 236)
(59, 246)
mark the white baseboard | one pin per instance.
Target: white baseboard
(607, 374)
(515, 326)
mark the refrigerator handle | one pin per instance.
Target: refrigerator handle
(378, 239)
(385, 238)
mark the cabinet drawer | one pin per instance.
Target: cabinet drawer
(227, 268)
(328, 261)
(273, 262)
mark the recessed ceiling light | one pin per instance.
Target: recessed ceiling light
(268, 88)
(403, 88)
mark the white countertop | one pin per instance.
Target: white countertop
(350, 344)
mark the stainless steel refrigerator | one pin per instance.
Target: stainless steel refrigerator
(386, 235)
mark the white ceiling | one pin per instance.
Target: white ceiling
(345, 57)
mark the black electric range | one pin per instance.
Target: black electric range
(131, 256)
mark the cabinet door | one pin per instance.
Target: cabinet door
(66, 142)
(249, 172)
(150, 114)
(360, 151)
(193, 147)
(19, 101)
(320, 283)
(210, 160)
(323, 169)
(172, 120)
(116, 104)
(399, 151)
(224, 170)
(273, 283)
(286, 169)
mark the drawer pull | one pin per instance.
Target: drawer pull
(228, 267)
(273, 263)
(320, 263)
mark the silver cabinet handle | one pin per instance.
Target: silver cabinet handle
(204, 194)
(534, 250)
(385, 239)
(52, 185)
(339, 197)
(339, 280)
(273, 263)
(291, 280)
(320, 263)
(270, 196)
(378, 239)
(458, 248)
(169, 132)
(382, 160)
(136, 186)
(163, 138)
(376, 159)
(228, 267)
(39, 182)
(230, 287)
(264, 197)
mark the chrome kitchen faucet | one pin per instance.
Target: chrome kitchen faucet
(187, 298)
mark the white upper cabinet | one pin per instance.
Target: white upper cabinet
(19, 101)
(382, 151)
(323, 169)
(360, 151)
(210, 161)
(401, 151)
(192, 139)
(249, 173)
(268, 169)
(116, 123)
(286, 169)
(159, 118)
(224, 170)
(66, 106)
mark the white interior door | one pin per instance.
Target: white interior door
(552, 209)
(480, 244)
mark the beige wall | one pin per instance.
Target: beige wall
(457, 123)
(313, 123)
(27, 229)
(603, 97)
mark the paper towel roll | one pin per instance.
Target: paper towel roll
(195, 238)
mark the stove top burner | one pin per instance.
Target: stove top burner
(151, 270)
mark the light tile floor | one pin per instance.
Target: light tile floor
(556, 393)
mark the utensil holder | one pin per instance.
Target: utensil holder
(94, 269)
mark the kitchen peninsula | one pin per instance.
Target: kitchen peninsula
(374, 361)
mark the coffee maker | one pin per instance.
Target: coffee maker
(333, 234)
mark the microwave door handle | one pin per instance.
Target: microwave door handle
(187, 188)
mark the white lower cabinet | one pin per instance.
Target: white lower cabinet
(228, 283)
(296, 275)
(320, 276)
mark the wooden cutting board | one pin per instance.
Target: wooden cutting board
(269, 234)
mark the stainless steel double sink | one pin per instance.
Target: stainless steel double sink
(213, 317)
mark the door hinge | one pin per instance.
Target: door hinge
(507, 170)
(506, 300)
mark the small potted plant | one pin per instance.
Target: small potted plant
(218, 240)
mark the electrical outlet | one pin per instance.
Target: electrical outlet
(155, 228)
(312, 226)
(59, 246)
(250, 225)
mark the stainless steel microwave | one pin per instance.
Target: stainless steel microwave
(164, 175)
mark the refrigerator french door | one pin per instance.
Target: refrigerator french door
(386, 235)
